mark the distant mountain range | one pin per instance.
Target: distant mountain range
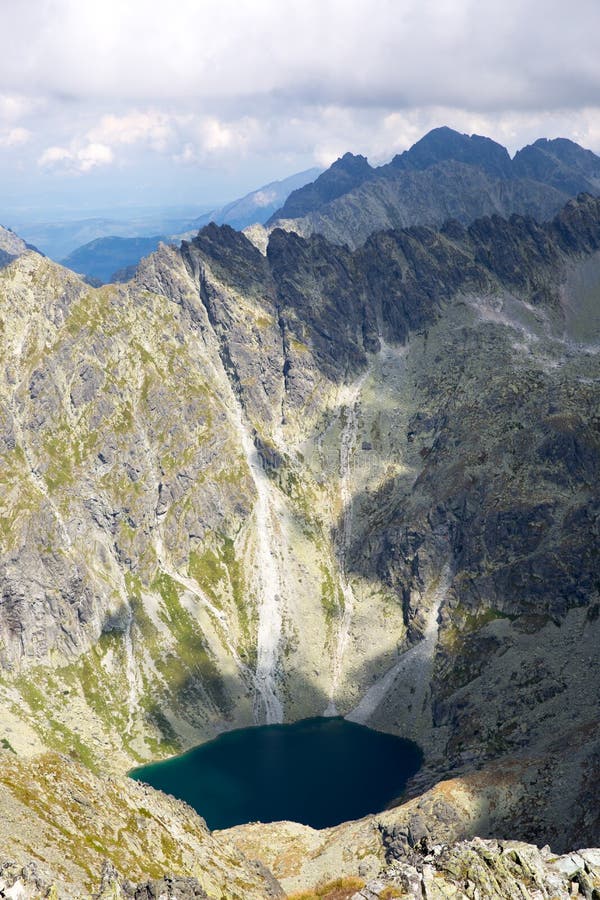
(113, 257)
(445, 175)
(257, 206)
(58, 238)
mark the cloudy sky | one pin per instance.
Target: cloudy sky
(125, 102)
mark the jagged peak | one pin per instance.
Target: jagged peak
(346, 173)
(350, 162)
(230, 254)
(224, 237)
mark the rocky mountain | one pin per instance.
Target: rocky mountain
(244, 488)
(503, 869)
(444, 175)
(67, 833)
(560, 163)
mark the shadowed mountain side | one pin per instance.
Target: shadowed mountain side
(495, 430)
(444, 175)
(336, 304)
(501, 418)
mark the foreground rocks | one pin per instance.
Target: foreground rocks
(536, 797)
(469, 870)
(477, 870)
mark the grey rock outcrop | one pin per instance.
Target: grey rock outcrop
(502, 870)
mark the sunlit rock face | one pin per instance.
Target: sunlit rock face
(245, 488)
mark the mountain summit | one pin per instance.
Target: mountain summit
(444, 144)
(445, 175)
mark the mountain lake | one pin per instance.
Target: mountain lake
(319, 771)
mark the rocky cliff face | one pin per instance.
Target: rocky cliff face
(445, 175)
(250, 488)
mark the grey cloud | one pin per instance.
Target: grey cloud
(516, 54)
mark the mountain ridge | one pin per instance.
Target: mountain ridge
(444, 175)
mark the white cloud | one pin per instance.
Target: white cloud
(15, 106)
(82, 159)
(150, 127)
(208, 138)
(14, 137)
(54, 155)
(264, 198)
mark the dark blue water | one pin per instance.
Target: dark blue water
(318, 771)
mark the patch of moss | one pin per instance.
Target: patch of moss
(238, 584)
(466, 622)
(88, 313)
(298, 346)
(193, 667)
(330, 597)
(218, 571)
(123, 420)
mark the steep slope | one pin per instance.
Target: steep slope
(244, 488)
(445, 175)
(80, 829)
